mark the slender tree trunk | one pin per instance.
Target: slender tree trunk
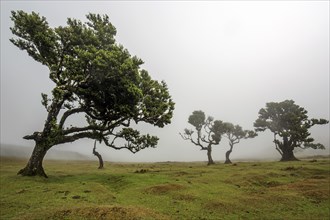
(209, 155)
(228, 161)
(34, 166)
(98, 156)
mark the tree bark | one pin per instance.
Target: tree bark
(34, 166)
(288, 155)
(287, 151)
(209, 156)
(228, 161)
(98, 156)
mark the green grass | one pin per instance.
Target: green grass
(251, 190)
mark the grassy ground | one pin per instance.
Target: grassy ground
(78, 190)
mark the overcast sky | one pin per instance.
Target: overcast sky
(226, 58)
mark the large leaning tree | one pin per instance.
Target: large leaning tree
(94, 77)
(206, 133)
(289, 123)
(234, 134)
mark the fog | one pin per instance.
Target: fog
(226, 58)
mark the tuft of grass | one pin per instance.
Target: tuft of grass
(251, 190)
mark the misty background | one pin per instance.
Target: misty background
(227, 59)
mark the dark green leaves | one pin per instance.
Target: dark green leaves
(45, 100)
(197, 119)
(35, 36)
(135, 141)
(288, 120)
(93, 75)
(208, 131)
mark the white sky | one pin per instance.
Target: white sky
(225, 58)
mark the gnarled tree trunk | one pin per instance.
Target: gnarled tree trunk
(44, 141)
(287, 151)
(98, 156)
(209, 155)
(228, 161)
(287, 155)
(34, 166)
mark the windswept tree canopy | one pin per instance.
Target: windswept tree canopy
(208, 132)
(234, 134)
(290, 122)
(94, 76)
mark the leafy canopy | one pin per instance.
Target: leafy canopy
(208, 131)
(234, 133)
(290, 122)
(95, 76)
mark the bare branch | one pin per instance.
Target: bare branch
(35, 136)
(72, 138)
(276, 145)
(135, 142)
(67, 114)
(82, 129)
(188, 136)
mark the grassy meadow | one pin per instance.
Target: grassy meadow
(244, 190)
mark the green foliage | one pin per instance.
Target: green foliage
(250, 190)
(208, 131)
(218, 129)
(235, 133)
(290, 122)
(45, 100)
(35, 36)
(134, 139)
(197, 119)
(95, 76)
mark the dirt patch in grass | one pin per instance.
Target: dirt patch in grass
(215, 205)
(315, 189)
(185, 197)
(260, 181)
(317, 195)
(141, 171)
(163, 189)
(102, 212)
(291, 168)
(307, 184)
(218, 207)
(117, 183)
(181, 173)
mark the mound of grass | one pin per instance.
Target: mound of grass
(78, 190)
(97, 213)
(164, 188)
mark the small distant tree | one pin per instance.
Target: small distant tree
(234, 133)
(98, 155)
(289, 123)
(93, 77)
(207, 132)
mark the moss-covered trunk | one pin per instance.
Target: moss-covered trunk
(34, 166)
